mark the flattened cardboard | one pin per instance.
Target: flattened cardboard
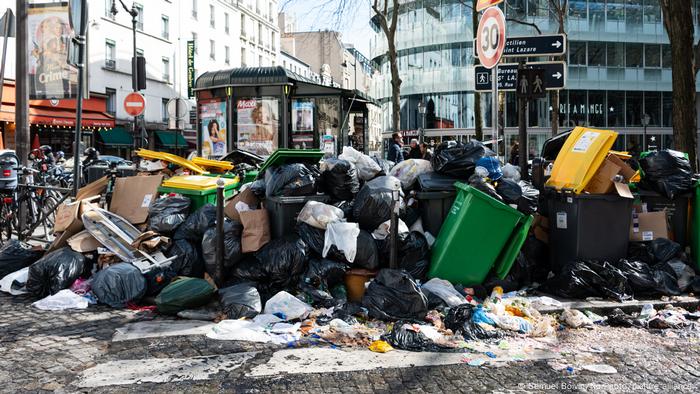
(602, 181)
(68, 213)
(133, 196)
(651, 225)
(83, 242)
(247, 196)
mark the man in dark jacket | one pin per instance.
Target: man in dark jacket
(395, 152)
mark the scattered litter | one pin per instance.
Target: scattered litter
(380, 347)
(64, 299)
(600, 368)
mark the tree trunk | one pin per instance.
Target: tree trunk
(678, 20)
(478, 121)
(395, 84)
(554, 97)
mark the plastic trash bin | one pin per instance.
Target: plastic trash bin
(588, 227)
(676, 210)
(695, 228)
(434, 208)
(480, 234)
(283, 212)
(285, 156)
(201, 189)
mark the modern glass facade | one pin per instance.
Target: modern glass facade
(619, 68)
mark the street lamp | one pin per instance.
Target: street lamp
(421, 110)
(645, 122)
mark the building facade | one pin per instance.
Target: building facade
(619, 69)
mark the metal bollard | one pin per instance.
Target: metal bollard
(219, 232)
(393, 228)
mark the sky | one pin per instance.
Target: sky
(312, 15)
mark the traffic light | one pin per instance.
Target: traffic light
(139, 68)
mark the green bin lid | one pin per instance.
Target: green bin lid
(286, 156)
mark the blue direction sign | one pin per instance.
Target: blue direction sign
(554, 74)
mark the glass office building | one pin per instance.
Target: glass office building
(619, 69)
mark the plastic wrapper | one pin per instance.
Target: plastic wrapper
(64, 299)
(459, 160)
(184, 293)
(54, 272)
(444, 290)
(197, 224)
(293, 179)
(367, 255)
(480, 183)
(119, 284)
(287, 307)
(366, 167)
(314, 237)
(320, 277)
(232, 247)
(339, 179)
(373, 202)
(342, 236)
(240, 301)
(319, 215)
(492, 165)
(408, 171)
(166, 214)
(668, 172)
(188, 260)
(664, 249)
(459, 320)
(15, 255)
(15, 283)
(394, 295)
(382, 232)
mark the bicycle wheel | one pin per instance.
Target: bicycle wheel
(6, 218)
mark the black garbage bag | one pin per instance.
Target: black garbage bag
(293, 179)
(394, 295)
(385, 165)
(639, 251)
(479, 183)
(683, 273)
(695, 286)
(664, 249)
(188, 261)
(119, 284)
(411, 215)
(580, 279)
(529, 200)
(339, 179)
(184, 293)
(666, 282)
(157, 278)
(166, 214)
(367, 255)
(197, 224)
(615, 282)
(509, 191)
(434, 301)
(258, 188)
(240, 301)
(403, 336)
(15, 255)
(373, 202)
(668, 172)
(314, 237)
(279, 264)
(320, 277)
(412, 249)
(459, 320)
(618, 318)
(346, 207)
(639, 275)
(459, 160)
(232, 247)
(54, 272)
(519, 276)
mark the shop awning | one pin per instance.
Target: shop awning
(171, 139)
(61, 117)
(118, 136)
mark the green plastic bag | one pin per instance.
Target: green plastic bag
(184, 293)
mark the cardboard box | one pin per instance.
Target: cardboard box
(68, 213)
(648, 226)
(133, 196)
(602, 182)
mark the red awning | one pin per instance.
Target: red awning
(59, 117)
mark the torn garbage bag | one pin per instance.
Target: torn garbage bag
(668, 172)
(459, 160)
(197, 224)
(166, 214)
(480, 183)
(342, 236)
(319, 215)
(54, 272)
(184, 293)
(240, 301)
(293, 179)
(339, 179)
(119, 284)
(393, 295)
(232, 247)
(15, 255)
(373, 202)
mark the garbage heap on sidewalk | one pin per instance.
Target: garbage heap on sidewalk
(307, 245)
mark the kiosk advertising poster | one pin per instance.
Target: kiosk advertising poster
(50, 75)
(258, 124)
(302, 123)
(212, 113)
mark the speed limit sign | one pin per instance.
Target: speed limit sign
(491, 37)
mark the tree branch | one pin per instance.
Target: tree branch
(518, 21)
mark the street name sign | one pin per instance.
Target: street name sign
(491, 37)
(554, 76)
(549, 45)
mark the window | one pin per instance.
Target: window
(226, 22)
(633, 108)
(616, 109)
(139, 18)
(616, 54)
(227, 54)
(111, 100)
(666, 55)
(108, 9)
(273, 41)
(244, 63)
(243, 26)
(194, 9)
(667, 105)
(166, 69)
(212, 50)
(164, 109)
(652, 55)
(596, 54)
(633, 55)
(260, 33)
(196, 44)
(260, 61)
(652, 107)
(212, 16)
(110, 55)
(577, 53)
(271, 11)
(165, 27)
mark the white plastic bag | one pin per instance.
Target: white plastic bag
(408, 171)
(319, 215)
(287, 307)
(575, 318)
(366, 167)
(344, 237)
(64, 299)
(445, 291)
(14, 283)
(511, 172)
(383, 230)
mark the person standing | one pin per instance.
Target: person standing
(424, 152)
(395, 152)
(415, 150)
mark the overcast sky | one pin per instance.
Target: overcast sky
(312, 15)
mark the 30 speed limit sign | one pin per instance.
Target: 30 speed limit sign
(491, 37)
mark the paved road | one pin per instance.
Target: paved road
(78, 351)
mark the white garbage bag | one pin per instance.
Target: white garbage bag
(319, 215)
(14, 283)
(64, 299)
(344, 237)
(366, 167)
(511, 172)
(408, 171)
(383, 230)
(445, 291)
(287, 307)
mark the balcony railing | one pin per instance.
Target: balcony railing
(110, 64)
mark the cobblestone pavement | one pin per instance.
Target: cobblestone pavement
(47, 351)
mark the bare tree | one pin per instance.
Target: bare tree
(478, 121)
(387, 19)
(678, 20)
(559, 9)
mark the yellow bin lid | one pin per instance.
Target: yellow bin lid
(169, 157)
(213, 164)
(580, 157)
(195, 182)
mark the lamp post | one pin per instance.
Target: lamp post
(645, 122)
(421, 110)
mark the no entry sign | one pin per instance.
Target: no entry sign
(134, 104)
(491, 37)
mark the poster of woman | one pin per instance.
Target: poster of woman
(258, 125)
(213, 117)
(302, 123)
